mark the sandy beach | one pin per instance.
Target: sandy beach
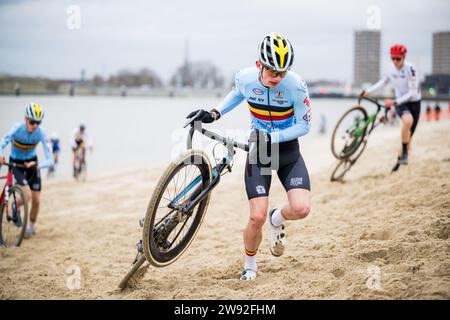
(393, 226)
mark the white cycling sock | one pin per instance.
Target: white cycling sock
(277, 218)
(250, 260)
(31, 226)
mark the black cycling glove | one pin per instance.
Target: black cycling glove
(205, 116)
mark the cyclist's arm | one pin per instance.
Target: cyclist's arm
(8, 138)
(413, 86)
(49, 161)
(380, 84)
(232, 100)
(302, 113)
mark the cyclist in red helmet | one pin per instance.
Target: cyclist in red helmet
(403, 77)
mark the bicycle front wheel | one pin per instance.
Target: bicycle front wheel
(168, 231)
(13, 218)
(349, 132)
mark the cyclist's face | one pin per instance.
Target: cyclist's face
(269, 77)
(398, 61)
(31, 125)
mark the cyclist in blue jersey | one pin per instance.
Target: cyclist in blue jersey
(280, 112)
(24, 137)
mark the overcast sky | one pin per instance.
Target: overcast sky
(113, 35)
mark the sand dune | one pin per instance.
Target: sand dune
(395, 225)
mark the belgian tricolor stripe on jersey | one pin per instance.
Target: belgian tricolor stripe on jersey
(264, 112)
(24, 146)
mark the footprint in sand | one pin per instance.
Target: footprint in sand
(372, 255)
(376, 235)
(338, 272)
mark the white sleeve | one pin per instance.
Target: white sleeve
(413, 86)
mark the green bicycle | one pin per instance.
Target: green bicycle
(350, 135)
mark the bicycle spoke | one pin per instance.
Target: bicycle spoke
(171, 230)
(160, 220)
(181, 229)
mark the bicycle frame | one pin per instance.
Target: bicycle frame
(9, 182)
(198, 195)
(372, 117)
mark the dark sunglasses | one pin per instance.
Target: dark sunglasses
(274, 73)
(32, 122)
(396, 58)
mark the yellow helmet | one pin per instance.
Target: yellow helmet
(276, 52)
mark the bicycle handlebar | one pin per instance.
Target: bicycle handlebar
(13, 165)
(374, 101)
(197, 126)
(370, 100)
(191, 120)
(223, 140)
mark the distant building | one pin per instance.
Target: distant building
(439, 82)
(366, 67)
(441, 53)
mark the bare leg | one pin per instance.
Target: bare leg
(299, 204)
(407, 120)
(253, 235)
(74, 157)
(253, 230)
(27, 193)
(35, 204)
(83, 153)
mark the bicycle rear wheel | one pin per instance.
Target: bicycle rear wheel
(13, 218)
(168, 231)
(346, 164)
(349, 132)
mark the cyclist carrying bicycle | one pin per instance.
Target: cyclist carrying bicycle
(403, 76)
(24, 137)
(280, 112)
(80, 140)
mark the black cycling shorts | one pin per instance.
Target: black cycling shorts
(79, 143)
(412, 108)
(291, 171)
(30, 176)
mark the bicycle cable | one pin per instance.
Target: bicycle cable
(230, 165)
